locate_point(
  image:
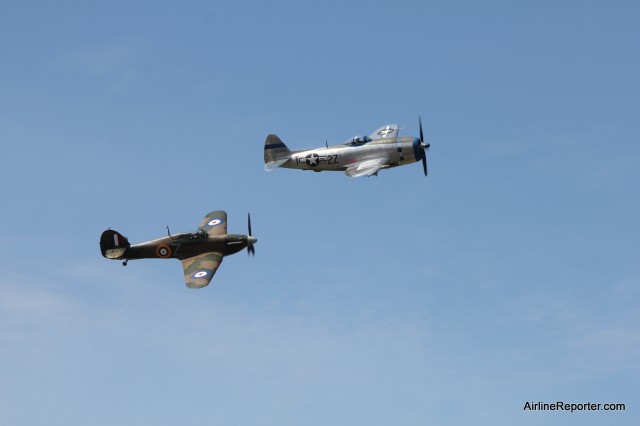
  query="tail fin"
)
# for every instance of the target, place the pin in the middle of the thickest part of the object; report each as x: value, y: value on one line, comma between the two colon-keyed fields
x: 113, y: 244
x: 276, y: 152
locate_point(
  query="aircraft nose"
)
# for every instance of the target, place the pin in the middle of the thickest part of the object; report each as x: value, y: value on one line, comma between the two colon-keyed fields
x: 252, y: 240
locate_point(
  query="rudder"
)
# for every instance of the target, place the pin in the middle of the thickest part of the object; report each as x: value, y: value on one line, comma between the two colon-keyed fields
x: 113, y: 244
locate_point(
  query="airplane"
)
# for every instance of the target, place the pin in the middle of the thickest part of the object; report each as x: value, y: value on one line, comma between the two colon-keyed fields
x: 200, y: 252
x: 358, y: 156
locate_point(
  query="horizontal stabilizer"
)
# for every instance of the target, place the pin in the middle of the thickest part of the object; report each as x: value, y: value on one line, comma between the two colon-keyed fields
x: 272, y: 165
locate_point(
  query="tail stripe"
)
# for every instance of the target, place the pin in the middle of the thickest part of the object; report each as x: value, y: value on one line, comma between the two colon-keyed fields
x: 275, y: 146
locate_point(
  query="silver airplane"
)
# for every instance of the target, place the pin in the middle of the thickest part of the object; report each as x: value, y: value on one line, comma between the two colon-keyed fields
x: 358, y: 156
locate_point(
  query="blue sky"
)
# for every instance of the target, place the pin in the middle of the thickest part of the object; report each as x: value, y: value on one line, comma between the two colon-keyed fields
x: 509, y: 275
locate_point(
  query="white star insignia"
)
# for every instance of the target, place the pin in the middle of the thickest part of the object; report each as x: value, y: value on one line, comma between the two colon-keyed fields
x: 385, y: 131
x: 313, y: 160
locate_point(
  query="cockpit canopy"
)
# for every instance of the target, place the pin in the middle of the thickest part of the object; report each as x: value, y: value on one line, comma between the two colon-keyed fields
x: 190, y: 236
x: 358, y: 140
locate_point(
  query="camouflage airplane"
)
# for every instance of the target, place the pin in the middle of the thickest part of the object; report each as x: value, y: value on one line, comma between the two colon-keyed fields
x: 200, y: 252
x: 358, y: 156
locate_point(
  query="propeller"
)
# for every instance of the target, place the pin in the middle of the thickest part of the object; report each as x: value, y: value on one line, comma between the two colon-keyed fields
x: 250, y: 240
x: 423, y: 148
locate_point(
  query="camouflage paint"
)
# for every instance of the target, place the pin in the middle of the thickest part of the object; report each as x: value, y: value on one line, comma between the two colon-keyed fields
x: 201, y: 252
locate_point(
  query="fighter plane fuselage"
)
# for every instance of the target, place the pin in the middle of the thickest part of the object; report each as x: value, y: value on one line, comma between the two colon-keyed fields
x: 182, y: 246
x: 398, y: 151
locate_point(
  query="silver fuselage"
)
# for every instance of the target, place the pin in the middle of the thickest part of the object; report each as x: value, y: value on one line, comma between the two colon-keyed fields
x: 398, y: 151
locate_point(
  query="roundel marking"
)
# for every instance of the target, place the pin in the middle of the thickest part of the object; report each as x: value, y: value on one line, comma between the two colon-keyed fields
x: 215, y: 222
x: 163, y: 251
x: 200, y: 274
x: 312, y: 159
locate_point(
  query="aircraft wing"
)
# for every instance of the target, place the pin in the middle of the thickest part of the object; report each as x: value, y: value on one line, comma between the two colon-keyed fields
x: 215, y: 223
x: 198, y: 270
x: 367, y: 167
x: 388, y: 131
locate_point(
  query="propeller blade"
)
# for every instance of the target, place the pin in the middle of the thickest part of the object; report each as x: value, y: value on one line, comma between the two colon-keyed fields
x: 424, y: 161
x: 250, y: 249
x: 423, y: 147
